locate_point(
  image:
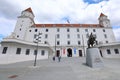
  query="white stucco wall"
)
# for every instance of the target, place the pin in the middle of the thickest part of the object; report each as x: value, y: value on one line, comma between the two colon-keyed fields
x: 11, y: 56
x: 111, y: 48
x: 52, y: 32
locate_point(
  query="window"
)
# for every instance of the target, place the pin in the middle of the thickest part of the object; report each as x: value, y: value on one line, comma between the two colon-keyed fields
x: 46, y: 30
x: 17, y: 36
x: 58, y: 43
x: 116, y: 51
x: 95, y: 35
x: 35, y: 36
x: 77, y: 30
x: 58, y: 30
x: 68, y: 30
x: 78, y: 42
x: 87, y: 35
x: 18, y: 51
x: 35, y: 30
x: 21, y: 25
x: 106, y: 41
x: 94, y: 30
x: 108, y: 51
x: 68, y: 42
x: 68, y: 36
x: 20, y: 29
x: 29, y: 30
x: 103, y: 30
x: 27, y: 51
x: 46, y: 36
x: 42, y: 52
x: 45, y: 42
x: 58, y: 36
x: 86, y: 30
x: 78, y: 35
x: 105, y: 35
x: 4, y: 50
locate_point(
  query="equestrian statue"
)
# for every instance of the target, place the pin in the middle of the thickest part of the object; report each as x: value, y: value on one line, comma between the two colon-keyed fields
x: 91, y: 41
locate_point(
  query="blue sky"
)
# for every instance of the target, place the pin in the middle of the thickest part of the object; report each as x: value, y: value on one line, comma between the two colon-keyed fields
x: 59, y: 11
x: 94, y: 1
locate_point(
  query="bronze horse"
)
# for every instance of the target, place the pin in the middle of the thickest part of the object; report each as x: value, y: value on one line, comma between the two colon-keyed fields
x: 91, y: 41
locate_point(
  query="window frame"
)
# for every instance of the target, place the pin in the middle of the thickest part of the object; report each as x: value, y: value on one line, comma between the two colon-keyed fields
x: 46, y: 36
x: 103, y: 30
x: 79, y: 43
x: 58, y: 35
x: 27, y: 51
x: 18, y: 51
x: 86, y: 30
x: 4, y: 50
x: 68, y: 42
x: 36, y: 30
x: 58, y: 30
x: 105, y: 35
x: 78, y: 36
x: 68, y: 30
x: 116, y: 51
x: 94, y: 30
x: 42, y: 52
x: 58, y: 42
x: 68, y: 36
x: 46, y: 30
x: 108, y: 51
x: 78, y: 30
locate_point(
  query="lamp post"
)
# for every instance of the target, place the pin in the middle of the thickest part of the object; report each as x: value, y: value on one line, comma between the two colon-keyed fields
x: 36, y: 51
x: 83, y: 44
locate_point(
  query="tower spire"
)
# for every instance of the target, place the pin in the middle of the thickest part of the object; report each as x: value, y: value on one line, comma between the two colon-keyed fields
x: 29, y: 10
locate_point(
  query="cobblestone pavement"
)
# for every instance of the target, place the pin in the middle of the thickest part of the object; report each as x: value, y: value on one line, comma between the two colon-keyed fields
x: 67, y: 69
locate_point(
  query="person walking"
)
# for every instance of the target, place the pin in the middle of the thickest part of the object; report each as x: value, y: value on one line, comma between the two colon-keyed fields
x: 53, y: 58
x: 59, y: 58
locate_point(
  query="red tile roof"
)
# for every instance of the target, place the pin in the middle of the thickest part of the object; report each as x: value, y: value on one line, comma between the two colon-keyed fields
x: 29, y: 10
x: 67, y: 25
x: 102, y: 15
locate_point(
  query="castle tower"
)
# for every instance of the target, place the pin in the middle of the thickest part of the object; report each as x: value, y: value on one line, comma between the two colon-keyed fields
x: 25, y: 21
x: 104, y: 21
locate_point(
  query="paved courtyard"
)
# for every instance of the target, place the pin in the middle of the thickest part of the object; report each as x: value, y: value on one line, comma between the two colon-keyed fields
x: 67, y: 69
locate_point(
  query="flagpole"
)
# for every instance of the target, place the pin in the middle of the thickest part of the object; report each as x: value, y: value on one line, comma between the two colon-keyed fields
x: 55, y: 45
x: 68, y: 21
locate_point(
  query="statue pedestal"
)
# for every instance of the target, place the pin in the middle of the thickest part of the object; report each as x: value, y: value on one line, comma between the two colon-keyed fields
x: 93, y: 58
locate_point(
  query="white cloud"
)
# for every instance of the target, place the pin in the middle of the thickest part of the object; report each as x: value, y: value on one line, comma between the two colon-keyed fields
x: 54, y: 11
x: 6, y: 26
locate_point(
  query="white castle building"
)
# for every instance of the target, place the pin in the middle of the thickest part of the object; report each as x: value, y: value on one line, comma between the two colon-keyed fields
x: 66, y: 40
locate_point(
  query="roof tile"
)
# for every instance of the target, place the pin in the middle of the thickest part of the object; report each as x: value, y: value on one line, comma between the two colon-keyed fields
x: 67, y: 25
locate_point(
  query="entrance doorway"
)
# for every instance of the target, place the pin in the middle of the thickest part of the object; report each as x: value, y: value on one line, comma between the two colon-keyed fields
x: 80, y: 53
x: 69, y: 52
x: 57, y: 53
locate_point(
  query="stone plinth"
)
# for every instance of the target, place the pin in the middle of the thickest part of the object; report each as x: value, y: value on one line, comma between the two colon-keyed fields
x: 93, y: 58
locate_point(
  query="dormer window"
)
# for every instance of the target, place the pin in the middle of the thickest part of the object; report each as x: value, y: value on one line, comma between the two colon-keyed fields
x: 46, y: 30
